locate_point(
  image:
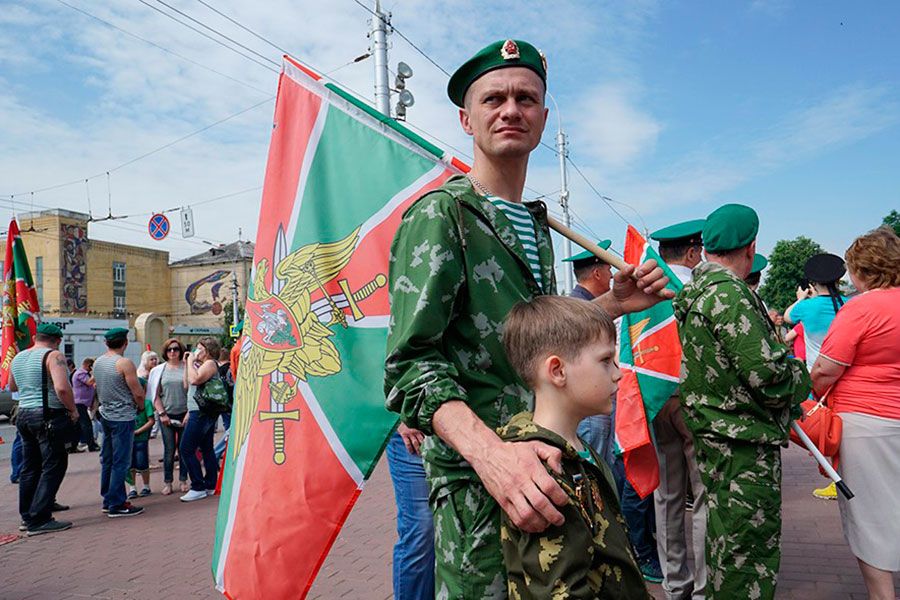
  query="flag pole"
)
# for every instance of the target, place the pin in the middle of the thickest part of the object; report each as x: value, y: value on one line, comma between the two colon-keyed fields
x: 823, y: 462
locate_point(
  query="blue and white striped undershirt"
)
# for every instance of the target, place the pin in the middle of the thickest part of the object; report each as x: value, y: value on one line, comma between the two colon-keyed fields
x: 523, y: 224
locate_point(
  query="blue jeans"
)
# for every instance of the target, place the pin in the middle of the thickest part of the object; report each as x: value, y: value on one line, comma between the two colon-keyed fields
x: 597, y: 432
x: 198, y: 434
x: 44, y: 464
x: 140, y: 455
x: 639, y: 515
x: 115, y: 460
x: 15, y: 459
x: 171, y: 440
x: 413, y: 571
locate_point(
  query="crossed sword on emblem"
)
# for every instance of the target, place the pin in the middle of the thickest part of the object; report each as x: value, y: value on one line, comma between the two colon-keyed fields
x: 280, y: 391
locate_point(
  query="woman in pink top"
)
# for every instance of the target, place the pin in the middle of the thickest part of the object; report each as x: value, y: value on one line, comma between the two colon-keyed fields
x: 860, y: 364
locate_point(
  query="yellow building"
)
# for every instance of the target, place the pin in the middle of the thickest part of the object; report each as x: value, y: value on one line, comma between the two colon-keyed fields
x: 79, y: 277
x: 88, y: 284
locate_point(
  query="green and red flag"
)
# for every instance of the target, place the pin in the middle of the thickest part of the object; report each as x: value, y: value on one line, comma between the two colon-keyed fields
x: 309, y: 421
x: 650, y: 358
x: 21, y: 312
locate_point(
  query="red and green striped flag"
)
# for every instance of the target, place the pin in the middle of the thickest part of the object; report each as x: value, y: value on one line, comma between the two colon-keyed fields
x: 20, y: 302
x: 309, y: 421
x: 650, y: 357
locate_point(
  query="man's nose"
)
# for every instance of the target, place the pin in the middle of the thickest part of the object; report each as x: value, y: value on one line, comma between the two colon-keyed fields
x: 510, y: 109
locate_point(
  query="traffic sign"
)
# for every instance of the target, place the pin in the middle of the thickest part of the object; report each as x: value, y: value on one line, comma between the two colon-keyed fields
x: 235, y: 330
x: 159, y: 226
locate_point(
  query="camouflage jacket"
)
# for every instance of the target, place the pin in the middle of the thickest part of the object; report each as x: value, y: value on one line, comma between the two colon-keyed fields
x: 456, y: 269
x: 739, y: 382
x: 588, y: 556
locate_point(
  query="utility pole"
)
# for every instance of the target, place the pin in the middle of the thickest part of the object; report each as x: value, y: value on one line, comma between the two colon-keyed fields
x: 563, y: 152
x: 381, y: 25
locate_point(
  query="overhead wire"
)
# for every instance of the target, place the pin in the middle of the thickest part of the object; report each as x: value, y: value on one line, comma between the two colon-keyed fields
x: 164, y: 49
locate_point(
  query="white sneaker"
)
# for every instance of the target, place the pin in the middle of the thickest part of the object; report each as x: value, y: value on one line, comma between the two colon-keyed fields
x: 82, y: 447
x: 194, y: 495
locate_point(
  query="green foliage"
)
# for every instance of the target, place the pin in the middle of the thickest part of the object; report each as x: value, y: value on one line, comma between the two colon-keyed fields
x: 893, y: 220
x: 226, y: 340
x: 786, y: 270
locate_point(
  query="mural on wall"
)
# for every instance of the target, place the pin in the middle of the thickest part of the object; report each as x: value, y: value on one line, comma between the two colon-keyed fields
x: 201, y: 301
x: 74, y: 270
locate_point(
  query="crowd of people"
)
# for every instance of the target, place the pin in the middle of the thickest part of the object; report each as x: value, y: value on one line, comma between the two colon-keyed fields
x: 62, y: 410
x: 503, y: 469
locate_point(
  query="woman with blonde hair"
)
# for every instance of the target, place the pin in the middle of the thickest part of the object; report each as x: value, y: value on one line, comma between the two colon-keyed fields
x: 859, y: 366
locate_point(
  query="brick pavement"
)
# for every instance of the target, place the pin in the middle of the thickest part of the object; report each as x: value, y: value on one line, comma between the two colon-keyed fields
x: 165, y: 553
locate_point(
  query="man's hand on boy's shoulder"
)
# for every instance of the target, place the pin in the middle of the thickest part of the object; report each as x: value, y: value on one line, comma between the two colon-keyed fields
x: 514, y: 474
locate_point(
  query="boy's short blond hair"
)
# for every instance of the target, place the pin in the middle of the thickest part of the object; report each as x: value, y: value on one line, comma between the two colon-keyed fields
x: 549, y: 325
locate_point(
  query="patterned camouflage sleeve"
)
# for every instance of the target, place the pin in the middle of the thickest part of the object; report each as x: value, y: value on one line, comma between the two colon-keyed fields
x: 425, y: 277
x: 775, y: 380
x: 552, y: 564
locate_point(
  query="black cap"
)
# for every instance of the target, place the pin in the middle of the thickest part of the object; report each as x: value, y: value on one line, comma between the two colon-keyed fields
x: 824, y: 268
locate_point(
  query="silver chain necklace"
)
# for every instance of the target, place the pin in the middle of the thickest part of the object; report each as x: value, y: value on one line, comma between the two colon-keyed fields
x: 481, y: 187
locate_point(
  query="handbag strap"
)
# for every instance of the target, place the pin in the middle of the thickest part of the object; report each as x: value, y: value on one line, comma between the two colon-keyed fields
x: 44, y: 386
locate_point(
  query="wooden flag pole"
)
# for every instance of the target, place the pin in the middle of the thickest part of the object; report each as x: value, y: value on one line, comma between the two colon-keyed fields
x: 592, y: 247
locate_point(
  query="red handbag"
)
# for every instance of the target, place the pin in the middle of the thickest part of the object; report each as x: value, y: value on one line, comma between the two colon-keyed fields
x: 823, y: 426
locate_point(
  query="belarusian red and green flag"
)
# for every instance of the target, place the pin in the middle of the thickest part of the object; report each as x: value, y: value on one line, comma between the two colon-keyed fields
x: 20, y: 302
x: 309, y: 420
x: 650, y: 358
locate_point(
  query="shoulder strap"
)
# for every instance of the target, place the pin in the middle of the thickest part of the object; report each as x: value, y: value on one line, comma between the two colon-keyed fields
x: 45, y: 374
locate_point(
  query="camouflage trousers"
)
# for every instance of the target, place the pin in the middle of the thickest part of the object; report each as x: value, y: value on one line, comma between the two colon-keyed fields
x: 743, y: 532
x: 468, y: 554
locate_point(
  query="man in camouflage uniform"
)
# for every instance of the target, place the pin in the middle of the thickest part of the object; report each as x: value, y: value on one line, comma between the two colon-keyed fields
x: 458, y: 265
x: 738, y: 397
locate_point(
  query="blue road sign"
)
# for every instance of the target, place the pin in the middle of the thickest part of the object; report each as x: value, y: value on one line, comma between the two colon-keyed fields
x: 159, y: 226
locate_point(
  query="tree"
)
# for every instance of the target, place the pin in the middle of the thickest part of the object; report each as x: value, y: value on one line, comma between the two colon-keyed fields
x: 893, y: 220
x: 227, y: 312
x: 786, y: 270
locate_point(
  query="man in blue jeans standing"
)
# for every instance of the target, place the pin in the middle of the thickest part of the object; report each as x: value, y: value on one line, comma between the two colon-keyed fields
x: 413, y: 571
x: 121, y: 396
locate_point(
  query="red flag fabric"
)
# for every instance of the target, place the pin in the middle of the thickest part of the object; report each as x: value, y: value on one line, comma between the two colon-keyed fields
x: 21, y: 312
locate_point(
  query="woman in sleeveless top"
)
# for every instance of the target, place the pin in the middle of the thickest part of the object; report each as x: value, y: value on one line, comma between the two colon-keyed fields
x: 170, y: 401
x: 200, y: 428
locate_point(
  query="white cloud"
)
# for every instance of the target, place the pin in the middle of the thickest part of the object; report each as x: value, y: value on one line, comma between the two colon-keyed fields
x: 607, y: 125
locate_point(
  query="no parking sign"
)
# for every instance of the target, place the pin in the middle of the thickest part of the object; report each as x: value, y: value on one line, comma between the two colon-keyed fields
x: 159, y: 226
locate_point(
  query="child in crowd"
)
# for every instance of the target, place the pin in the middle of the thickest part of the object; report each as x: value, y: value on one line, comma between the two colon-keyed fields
x: 140, y: 451
x: 565, y: 351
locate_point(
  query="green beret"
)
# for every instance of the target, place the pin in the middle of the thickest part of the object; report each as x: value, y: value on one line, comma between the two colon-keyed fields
x: 587, y: 256
x: 116, y: 333
x: 50, y: 329
x: 680, y: 233
x: 730, y: 227
x: 499, y: 55
x: 760, y: 262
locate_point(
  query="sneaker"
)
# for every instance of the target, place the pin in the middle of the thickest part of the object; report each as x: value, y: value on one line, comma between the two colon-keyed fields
x: 651, y: 571
x: 57, y: 507
x: 829, y: 492
x: 50, y: 526
x: 126, y: 510
x: 194, y: 495
x: 23, y: 526
x: 145, y: 492
x: 132, y: 494
x: 82, y: 447
x: 105, y: 509
x: 210, y: 492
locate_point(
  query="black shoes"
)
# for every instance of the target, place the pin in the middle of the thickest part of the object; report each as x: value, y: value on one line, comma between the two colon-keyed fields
x: 51, y: 526
x: 57, y: 507
x: 126, y: 510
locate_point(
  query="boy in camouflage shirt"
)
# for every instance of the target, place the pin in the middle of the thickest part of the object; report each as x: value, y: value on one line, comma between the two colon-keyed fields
x: 564, y: 349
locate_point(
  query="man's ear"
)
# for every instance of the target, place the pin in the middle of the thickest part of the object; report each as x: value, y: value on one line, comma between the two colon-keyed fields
x: 751, y: 250
x: 464, y: 121
x: 555, y: 370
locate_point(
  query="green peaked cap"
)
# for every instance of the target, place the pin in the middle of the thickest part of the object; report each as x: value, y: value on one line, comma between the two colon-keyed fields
x: 116, y: 333
x: 604, y: 244
x: 760, y: 262
x: 730, y: 227
x: 684, y: 230
x: 50, y: 329
x: 499, y: 55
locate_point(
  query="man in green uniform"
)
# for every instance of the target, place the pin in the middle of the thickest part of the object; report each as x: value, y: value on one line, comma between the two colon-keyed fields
x: 462, y: 257
x: 738, y: 396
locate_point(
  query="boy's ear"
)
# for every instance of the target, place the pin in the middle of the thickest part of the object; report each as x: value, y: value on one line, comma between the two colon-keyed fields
x: 555, y: 370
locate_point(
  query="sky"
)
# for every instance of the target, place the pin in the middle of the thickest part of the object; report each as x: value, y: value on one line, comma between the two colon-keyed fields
x: 671, y: 108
